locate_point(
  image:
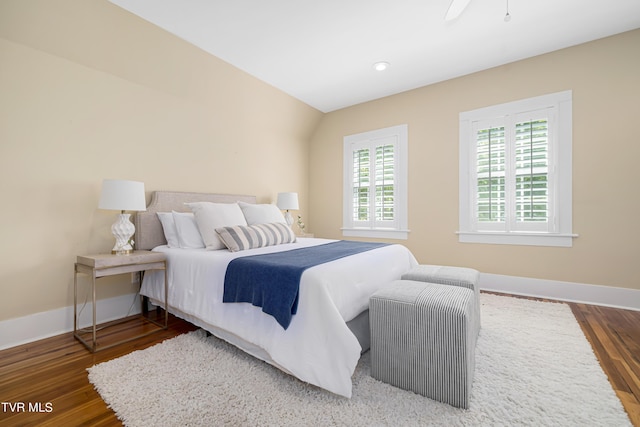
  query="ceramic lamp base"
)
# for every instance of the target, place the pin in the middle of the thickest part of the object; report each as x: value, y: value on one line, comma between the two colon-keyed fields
x: 122, y: 230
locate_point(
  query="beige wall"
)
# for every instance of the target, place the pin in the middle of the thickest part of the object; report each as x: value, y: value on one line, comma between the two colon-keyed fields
x: 89, y: 91
x: 605, y: 78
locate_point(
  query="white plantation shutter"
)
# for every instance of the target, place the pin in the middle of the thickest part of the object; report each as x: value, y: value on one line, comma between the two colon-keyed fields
x: 385, y: 177
x: 512, y: 187
x: 490, y: 202
x: 375, y: 183
x: 361, y: 184
x: 533, y: 183
x: 515, y: 172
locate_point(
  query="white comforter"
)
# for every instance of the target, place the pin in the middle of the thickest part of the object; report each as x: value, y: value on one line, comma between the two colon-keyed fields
x: 317, y: 347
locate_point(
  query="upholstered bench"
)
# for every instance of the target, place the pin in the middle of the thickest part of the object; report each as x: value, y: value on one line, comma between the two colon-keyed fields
x: 423, y: 339
x: 445, y: 275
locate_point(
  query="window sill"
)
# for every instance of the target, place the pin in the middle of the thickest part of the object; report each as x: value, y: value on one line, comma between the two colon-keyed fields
x: 376, y: 233
x: 516, y: 238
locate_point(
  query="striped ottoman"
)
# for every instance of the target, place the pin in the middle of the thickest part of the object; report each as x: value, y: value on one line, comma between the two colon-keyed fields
x: 423, y: 339
x: 453, y: 276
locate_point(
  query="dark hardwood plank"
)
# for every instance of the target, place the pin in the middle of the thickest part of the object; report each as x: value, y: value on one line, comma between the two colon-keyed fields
x: 614, y: 335
x: 53, y: 370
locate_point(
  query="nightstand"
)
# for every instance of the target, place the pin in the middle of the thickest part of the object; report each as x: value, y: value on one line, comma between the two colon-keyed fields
x: 103, y: 265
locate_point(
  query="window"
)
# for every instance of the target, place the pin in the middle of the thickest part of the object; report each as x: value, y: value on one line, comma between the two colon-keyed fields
x: 375, y: 184
x: 515, y: 172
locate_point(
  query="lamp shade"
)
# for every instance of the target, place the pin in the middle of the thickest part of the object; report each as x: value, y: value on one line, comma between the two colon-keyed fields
x: 122, y: 195
x: 287, y: 201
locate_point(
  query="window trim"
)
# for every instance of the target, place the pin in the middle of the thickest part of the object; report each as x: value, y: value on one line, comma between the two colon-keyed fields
x: 400, y: 231
x: 561, y: 151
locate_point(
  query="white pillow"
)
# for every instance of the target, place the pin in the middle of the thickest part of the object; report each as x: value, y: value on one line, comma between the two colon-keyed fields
x: 210, y: 216
x: 188, y: 233
x: 261, y: 214
x: 169, y: 228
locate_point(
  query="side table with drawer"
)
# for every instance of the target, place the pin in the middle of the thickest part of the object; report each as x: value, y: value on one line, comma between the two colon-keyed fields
x: 102, y: 265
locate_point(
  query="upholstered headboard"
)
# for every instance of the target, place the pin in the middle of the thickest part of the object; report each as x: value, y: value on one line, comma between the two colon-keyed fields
x: 149, y: 233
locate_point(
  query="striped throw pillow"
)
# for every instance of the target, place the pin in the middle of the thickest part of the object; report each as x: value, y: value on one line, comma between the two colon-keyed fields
x: 242, y: 237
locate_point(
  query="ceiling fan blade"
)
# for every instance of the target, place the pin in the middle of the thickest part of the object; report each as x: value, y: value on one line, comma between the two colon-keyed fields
x: 455, y: 9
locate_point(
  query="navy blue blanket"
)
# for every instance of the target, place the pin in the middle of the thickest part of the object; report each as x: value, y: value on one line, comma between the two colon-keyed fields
x: 272, y: 281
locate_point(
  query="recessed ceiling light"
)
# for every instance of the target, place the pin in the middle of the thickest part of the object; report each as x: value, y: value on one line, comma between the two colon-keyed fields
x: 380, y: 66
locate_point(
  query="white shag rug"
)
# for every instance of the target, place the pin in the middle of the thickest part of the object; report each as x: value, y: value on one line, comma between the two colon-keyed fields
x: 534, y: 367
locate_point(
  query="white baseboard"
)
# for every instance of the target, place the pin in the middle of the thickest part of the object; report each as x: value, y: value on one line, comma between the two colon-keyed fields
x: 607, y: 296
x: 37, y: 326
x: 22, y: 330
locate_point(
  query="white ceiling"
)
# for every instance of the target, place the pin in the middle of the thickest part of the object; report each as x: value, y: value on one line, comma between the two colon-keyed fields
x: 322, y: 52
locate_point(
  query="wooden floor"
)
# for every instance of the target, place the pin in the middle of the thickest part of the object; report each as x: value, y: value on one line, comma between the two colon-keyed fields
x: 50, y: 375
x: 615, y: 337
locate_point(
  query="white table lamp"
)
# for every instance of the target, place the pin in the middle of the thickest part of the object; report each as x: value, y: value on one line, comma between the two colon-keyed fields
x: 121, y: 195
x: 287, y: 201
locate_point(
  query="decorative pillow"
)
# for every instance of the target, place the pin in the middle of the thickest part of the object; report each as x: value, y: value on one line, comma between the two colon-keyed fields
x: 240, y: 238
x: 169, y: 228
x: 188, y: 233
x: 261, y: 214
x: 210, y: 216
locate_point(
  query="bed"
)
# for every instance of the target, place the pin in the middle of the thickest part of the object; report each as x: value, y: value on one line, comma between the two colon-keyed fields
x: 324, y: 341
